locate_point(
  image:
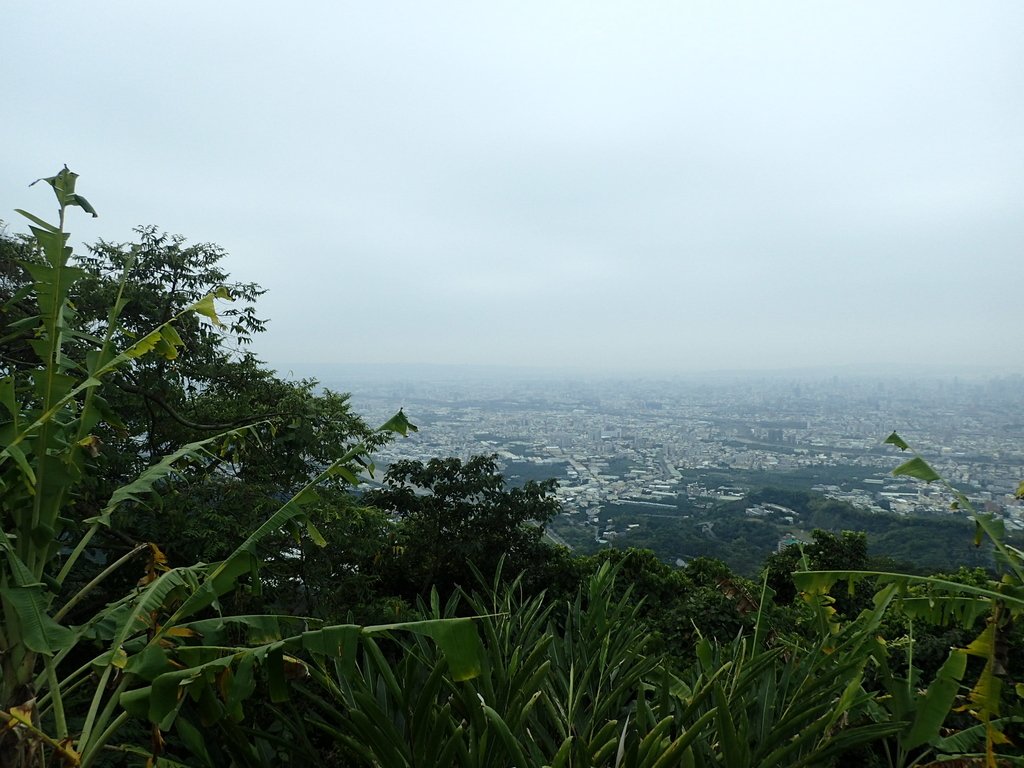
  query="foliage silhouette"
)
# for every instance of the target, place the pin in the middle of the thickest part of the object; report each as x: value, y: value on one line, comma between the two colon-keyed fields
x: 159, y: 653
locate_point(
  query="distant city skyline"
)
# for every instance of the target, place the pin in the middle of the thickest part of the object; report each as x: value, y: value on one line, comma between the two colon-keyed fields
x: 337, y: 374
x: 607, y: 188
x: 771, y: 426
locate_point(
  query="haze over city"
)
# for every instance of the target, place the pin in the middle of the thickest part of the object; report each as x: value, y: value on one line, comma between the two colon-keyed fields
x: 606, y: 187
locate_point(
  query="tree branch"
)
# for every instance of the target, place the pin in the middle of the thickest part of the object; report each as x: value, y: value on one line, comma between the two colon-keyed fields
x: 156, y: 399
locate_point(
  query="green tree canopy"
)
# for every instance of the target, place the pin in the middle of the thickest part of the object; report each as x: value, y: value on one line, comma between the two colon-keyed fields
x: 451, y: 514
x: 209, y: 383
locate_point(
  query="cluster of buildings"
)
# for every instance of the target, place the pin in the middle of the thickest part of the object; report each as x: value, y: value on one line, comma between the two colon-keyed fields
x: 646, y: 442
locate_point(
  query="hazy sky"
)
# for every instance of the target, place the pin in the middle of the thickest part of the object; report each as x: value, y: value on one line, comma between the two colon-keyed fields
x: 628, y: 186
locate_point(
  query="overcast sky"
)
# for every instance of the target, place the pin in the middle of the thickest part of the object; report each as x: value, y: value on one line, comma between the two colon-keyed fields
x: 614, y: 186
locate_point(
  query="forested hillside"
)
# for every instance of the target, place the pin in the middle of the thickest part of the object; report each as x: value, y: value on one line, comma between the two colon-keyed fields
x: 730, y: 532
x: 191, y: 575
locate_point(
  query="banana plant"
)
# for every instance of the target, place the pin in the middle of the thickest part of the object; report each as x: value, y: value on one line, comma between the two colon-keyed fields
x: 946, y: 602
x: 162, y: 653
x: 923, y: 712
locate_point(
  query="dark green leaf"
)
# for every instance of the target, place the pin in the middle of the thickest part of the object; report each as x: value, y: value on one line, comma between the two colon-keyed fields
x: 917, y: 467
x: 399, y: 424
x: 84, y: 204
x: 937, y: 701
x: 896, y: 440
x: 457, y: 638
x: 39, y: 632
x: 35, y: 219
